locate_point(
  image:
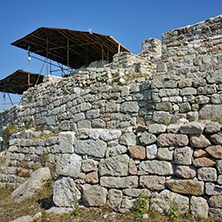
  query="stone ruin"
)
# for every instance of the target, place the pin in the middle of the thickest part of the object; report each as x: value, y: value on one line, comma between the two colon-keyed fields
x: 144, y: 122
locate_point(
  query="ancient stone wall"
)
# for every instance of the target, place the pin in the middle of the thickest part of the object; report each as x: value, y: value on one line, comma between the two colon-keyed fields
x: 116, y: 130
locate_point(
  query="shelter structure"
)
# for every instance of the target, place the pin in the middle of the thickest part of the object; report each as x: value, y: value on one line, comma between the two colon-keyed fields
x: 73, y: 49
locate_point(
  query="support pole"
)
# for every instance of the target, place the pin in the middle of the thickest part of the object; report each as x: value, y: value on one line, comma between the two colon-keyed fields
x: 47, y: 52
x: 68, y: 56
x: 102, y: 57
x: 29, y: 58
x: 10, y: 99
x: 119, y: 49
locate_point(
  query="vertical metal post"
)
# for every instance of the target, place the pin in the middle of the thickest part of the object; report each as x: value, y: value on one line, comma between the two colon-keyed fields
x: 119, y: 49
x: 68, y: 56
x: 29, y: 58
x: 47, y: 55
x: 4, y: 100
x: 102, y: 57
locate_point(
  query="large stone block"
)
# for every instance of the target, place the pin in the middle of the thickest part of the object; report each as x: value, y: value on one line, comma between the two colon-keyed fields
x: 66, y: 142
x: 115, y: 199
x: 215, y: 151
x: 215, y: 201
x: 192, y: 187
x: 214, y: 76
x: 114, y: 166
x: 192, y: 128
x: 216, y: 138
x: 65, y: 192
x: 119, y: 182
x: 203, y: 162
x: 96, y: 148
x: 185, y: 172
x: 199, y: 207
x: 215, y: 213
x: 129, y: 107
x: 147, y: 138
x: 164, y: 201
x: 155, y: 167
x: 94, y: 196
x: 199, y: 141
x: 108, y: 135
x: 213, y: 189
x: 137, y: 152
x: 169, y: 139
x: 211, y: 111
x: 153, y: 182
x: 68, y: 165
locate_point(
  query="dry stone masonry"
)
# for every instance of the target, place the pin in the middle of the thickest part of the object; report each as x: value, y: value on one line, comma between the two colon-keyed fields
x: 144, y: 122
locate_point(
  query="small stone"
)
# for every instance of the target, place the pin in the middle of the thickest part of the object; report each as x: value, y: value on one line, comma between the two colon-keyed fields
x: 165, y: 153
x: 92, y: 178
x: 200, y: 153
x: 215, y: 213
x: 186, y: 186
x: 214, y: 127
x: 185, y: 172
x: 216, y: 138
x: 147, y: 138
x: 183, y: 155
x: 157, y: 128
x: 203, y: 162
x: 207, y: 174
x: 66, y: 142
x: 199, y: 141
x: 137, y: 152
x: 213, y: 189
x: 152, y: 182
x: 219, y: 166
x: 174, y: 128
x: 132, y: 167
x: 169, y: 139
x: 215, y: 151
x: 215, y: 201
x: 151, y: 151
x: 89, y: 165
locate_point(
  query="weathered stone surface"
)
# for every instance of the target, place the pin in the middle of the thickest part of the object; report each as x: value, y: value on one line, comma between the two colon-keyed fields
x: 147, y: 138
x: 207, y: 174
x: 199, y: 207
x: 215, y: 201
x: 211, y: 111
x: 66, y: 142
x: 92, y: 178
x: 155, y: 167
x: 185, y: 172
x: 203, y: 162
x: 26, y: 218
x: 200, y: 153
x: 114, y: 166
x: 162, y: 117
x: 151, y: 151
x: 132, y: 167
x: 186, y: 186
x: 137, y: 152
x: 33, y: 185
x: 215, y: 151
x: 129, y: 107
x: 89, y: 165
x: 192, y: 128
x: 199, y: 141
x: 219, y: 166
x: 133, y: 192
x: 214, y: 76
x: 219, y: 179
x: 108, y: 135
x: 152, y: 182
x: 115, y: 199
x: 116, y: 150
x: 214, y: 127
x: 163, y: 202
x: 183, y: 155
x: 96, y: 148
x: 128, y: 139
x: 92, y: 114
x: 157, y: 128
x: 119, y: 182
x: 165, y: 153
x: 215, y: 213
x: 174, y: 128
x: 213, y: 189
x: 168, y: 139
x: 94, y: 196
x: 68, y: 165
x: 65, y: 192
x: 216, y: 138
x: 127, y: 203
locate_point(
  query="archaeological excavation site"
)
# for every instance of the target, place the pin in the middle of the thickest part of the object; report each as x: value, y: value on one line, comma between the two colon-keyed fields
x: 116, y: 126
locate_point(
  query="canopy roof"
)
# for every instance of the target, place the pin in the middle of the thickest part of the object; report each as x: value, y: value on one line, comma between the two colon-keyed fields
x: 17, y: 82
x: 71, y: 48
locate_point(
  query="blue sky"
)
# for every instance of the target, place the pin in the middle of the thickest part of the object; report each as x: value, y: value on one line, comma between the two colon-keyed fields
x: 128, y: 21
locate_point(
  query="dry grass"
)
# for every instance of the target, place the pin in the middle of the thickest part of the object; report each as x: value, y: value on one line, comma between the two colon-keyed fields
x: 43, y: 201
